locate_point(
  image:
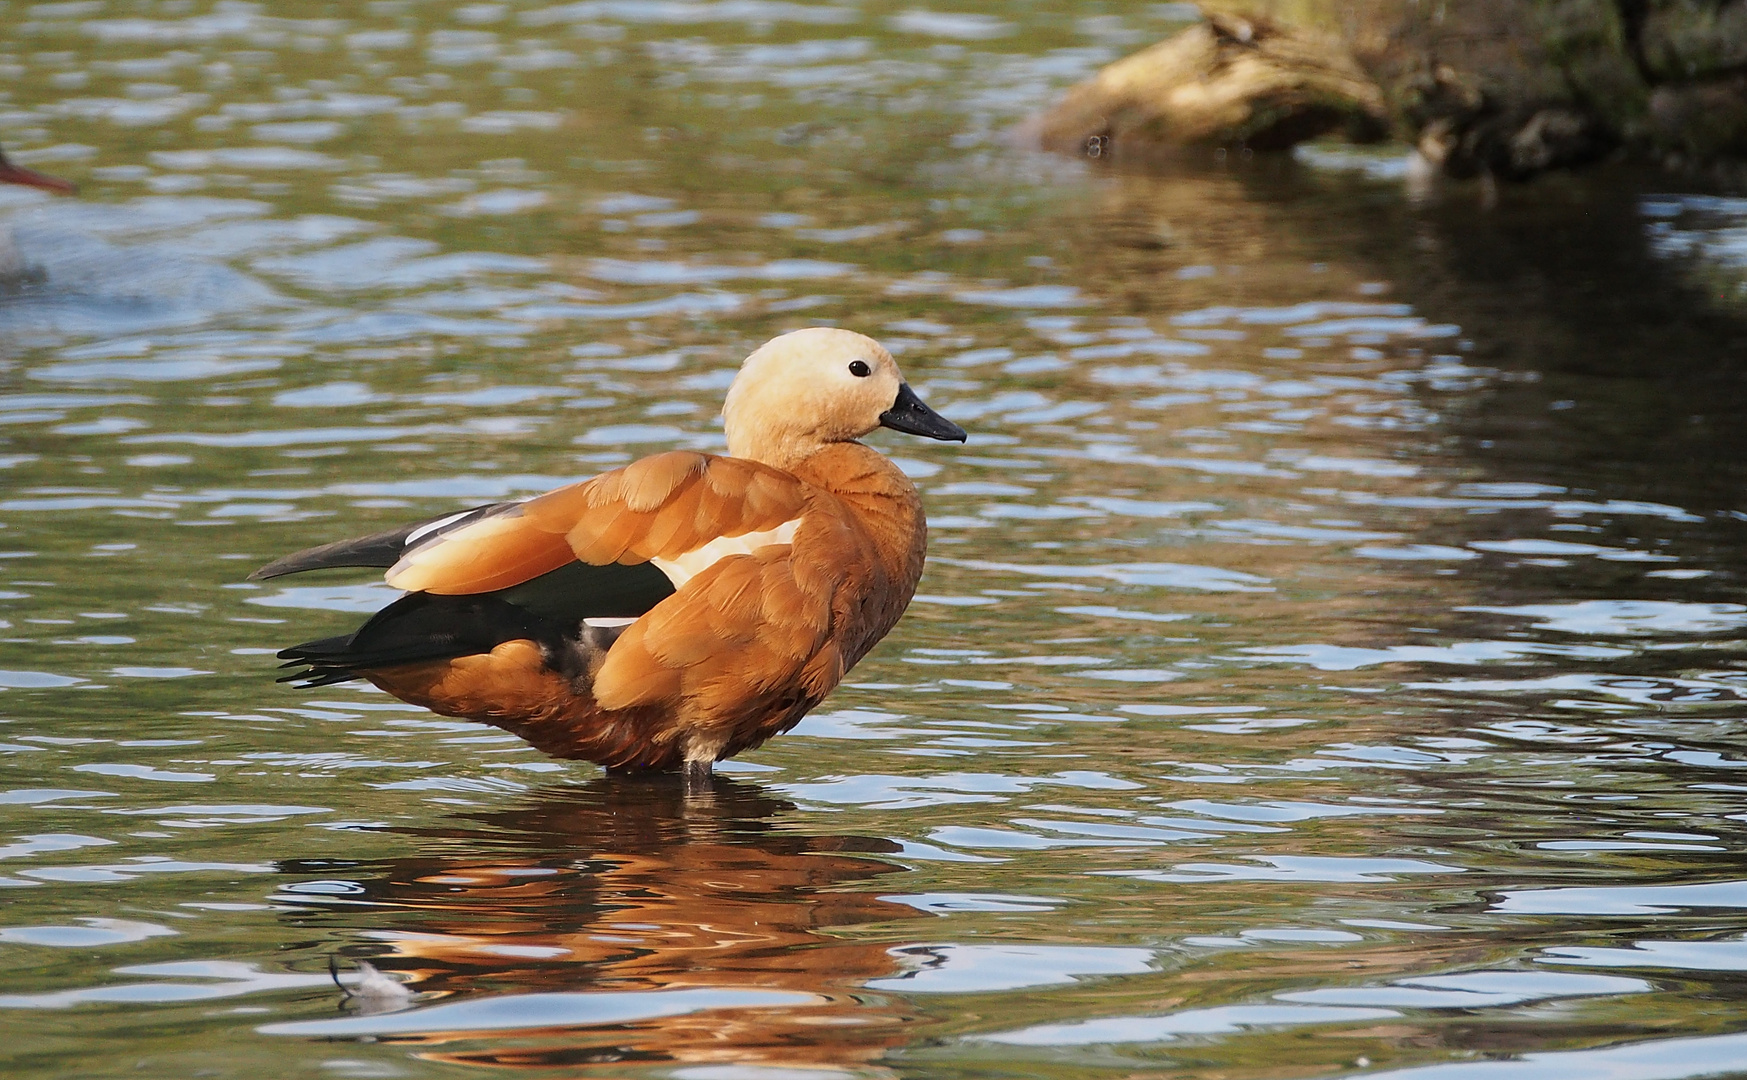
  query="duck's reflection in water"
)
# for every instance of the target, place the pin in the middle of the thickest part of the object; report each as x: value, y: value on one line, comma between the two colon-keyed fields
x: 621, y: 900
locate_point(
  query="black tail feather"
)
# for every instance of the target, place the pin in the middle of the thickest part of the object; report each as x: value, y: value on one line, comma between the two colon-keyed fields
x: 318, y: 676
x: 551, y: 609
x: 416, y: 628
x: 323, y: 662
x: 378, y: 549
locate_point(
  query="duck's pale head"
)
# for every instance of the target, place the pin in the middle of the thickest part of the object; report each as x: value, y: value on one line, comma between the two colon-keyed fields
x: 807, y: 389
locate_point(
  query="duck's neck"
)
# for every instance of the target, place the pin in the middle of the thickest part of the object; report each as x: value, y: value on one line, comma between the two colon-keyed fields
x: 882, y: 498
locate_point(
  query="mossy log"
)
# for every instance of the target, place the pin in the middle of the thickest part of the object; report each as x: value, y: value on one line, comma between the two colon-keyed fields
x: 1508, y: 88
x: 1228, y: 81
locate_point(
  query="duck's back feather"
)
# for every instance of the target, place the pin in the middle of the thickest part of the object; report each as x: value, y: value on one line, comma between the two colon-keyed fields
x: 661, y: 507
x: 611, y: 547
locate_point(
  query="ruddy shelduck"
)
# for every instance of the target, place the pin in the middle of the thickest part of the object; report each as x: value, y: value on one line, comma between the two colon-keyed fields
x: 12, y: 174
x: 673, y: 612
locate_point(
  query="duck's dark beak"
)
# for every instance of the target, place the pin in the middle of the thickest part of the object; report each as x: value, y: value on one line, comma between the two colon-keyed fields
x: 909, y: 415
x: 12, y: 174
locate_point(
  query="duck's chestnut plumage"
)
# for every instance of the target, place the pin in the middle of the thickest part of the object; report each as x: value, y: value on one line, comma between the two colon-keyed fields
x: 673, y: 612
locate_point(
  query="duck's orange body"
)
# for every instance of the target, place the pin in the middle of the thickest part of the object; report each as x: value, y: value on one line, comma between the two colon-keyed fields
x: 737, y: 654
x: 673, y: 612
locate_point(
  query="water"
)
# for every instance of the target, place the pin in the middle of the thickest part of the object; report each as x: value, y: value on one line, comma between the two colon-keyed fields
x: 1329, y: 660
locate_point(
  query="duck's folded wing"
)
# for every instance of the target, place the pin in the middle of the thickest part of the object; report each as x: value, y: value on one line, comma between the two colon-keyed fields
x: 682, y: 511
x: 752, y: 628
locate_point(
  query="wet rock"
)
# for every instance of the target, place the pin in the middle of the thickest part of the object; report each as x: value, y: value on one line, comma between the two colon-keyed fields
x: 1508, y: 88
x: 1704, y: 121
x: 1473, y: 135
x: 1233, y: 81
x: 1514, y: 87
x: 1678, y: 41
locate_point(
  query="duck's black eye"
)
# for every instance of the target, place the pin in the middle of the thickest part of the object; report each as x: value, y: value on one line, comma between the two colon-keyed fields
x: 859, y: 369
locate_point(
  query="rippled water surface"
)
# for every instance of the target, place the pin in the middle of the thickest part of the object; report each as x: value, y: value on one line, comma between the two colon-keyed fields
x: 1330, y: 659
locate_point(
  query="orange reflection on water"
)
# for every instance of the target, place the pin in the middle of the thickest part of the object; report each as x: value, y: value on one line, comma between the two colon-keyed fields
x: 632, y: 885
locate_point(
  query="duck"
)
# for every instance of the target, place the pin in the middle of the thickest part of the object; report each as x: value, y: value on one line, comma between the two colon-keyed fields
x: 674, y: 612
x: 15, y: 269
x: 12, y: 174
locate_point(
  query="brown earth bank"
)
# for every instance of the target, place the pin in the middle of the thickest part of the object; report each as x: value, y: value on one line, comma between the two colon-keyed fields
x: 1506, y: 88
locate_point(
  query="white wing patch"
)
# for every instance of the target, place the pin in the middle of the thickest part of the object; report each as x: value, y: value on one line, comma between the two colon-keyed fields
x: 423, y: 531
x: 683, y: 568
